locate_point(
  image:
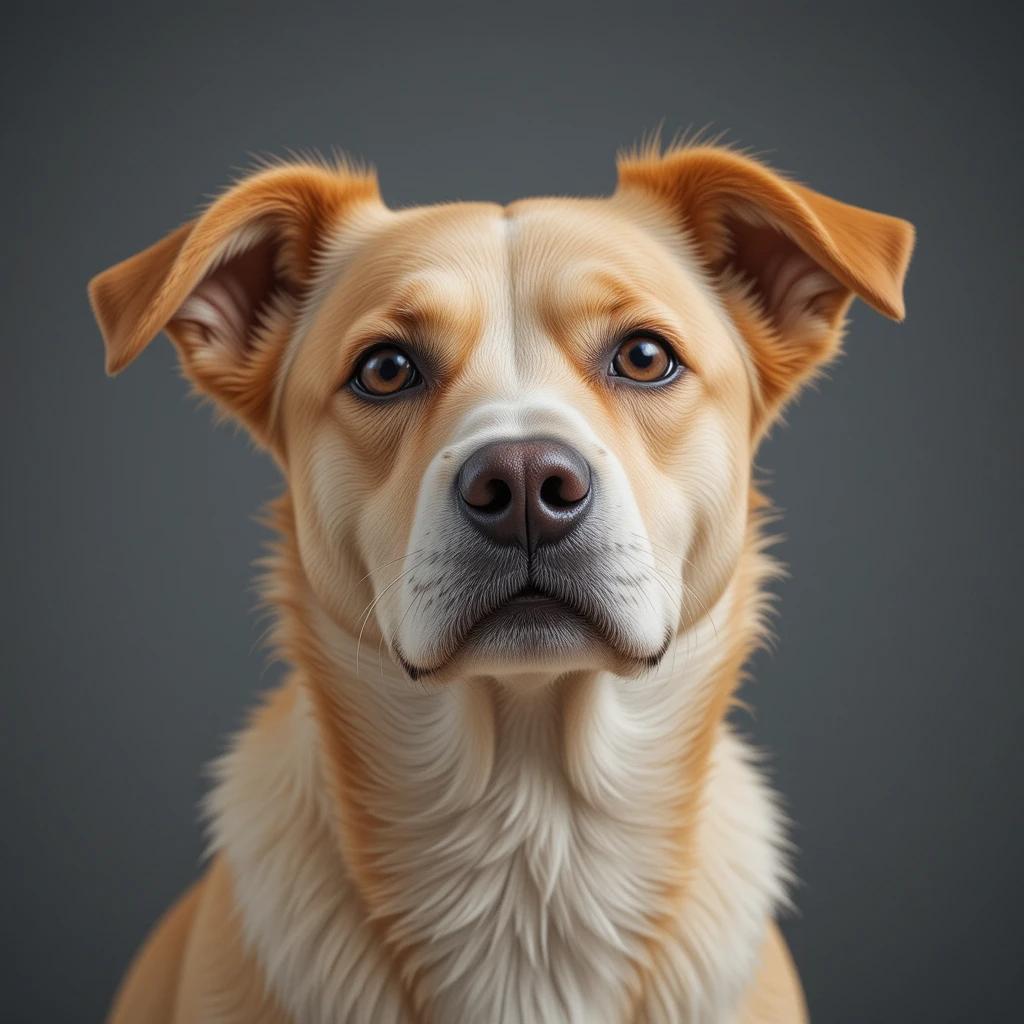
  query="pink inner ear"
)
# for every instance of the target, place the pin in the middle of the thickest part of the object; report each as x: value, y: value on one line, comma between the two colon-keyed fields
x: 788, y: 282
x: 226, y: 306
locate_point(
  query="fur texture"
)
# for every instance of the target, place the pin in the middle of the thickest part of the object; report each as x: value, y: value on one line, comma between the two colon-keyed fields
x: 422, y: 825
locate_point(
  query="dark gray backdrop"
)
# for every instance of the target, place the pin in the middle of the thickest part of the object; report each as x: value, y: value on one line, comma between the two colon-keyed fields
x: 892, y: 707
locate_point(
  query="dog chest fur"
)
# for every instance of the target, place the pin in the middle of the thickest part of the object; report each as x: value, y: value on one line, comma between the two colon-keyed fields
x: 521, y: 853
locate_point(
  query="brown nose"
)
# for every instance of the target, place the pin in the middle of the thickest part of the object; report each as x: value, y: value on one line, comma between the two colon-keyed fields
x: 528, y: 493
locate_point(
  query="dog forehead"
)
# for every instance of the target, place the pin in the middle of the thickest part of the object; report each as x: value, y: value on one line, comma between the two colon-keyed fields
x: 546, y: 278
x: 532, y: 252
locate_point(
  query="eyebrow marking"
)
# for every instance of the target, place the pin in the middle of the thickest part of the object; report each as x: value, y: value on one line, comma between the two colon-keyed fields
x: 586, y: 293
x: 439, y: 300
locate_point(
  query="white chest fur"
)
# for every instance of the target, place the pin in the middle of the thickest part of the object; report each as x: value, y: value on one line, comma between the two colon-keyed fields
x: 524, y: 848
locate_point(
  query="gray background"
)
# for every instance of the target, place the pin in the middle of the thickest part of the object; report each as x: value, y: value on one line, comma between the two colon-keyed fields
x: 892, y: 706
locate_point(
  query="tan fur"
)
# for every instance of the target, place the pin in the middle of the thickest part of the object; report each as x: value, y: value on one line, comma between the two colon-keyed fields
x: 271, y: 296
x: 775, y: 994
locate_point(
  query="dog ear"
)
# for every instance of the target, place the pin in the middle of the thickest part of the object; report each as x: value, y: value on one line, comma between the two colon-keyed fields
x: 227, y: 286
x: 787, y: 260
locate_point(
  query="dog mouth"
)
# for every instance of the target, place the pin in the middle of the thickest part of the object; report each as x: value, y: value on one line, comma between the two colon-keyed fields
x: 531, y: 624
x: 530, y: 609
x: 532, y: 598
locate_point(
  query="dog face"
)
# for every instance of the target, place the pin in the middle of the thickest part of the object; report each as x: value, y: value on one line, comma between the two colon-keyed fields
x: 518, y: 439
x: 520, y: 422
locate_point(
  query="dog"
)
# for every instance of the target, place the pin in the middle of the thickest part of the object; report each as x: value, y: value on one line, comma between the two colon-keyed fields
x: 520, y: 569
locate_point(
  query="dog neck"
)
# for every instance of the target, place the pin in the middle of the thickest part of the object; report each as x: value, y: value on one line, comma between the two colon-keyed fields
x: 535, y: 849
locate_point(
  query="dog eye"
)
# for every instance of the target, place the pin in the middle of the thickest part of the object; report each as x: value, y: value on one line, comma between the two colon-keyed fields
x: 385, y: 371
x: 644, y: 358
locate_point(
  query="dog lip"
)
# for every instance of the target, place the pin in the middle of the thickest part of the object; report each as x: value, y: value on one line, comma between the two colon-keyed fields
x: 531, y: 600
x: 530, y: 595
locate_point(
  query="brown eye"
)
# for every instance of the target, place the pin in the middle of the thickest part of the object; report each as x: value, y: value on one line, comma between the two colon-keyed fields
x: 385, y: 371
x: 645, y: 359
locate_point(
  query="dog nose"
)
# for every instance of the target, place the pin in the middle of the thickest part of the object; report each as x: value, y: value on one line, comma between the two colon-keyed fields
x: 528, y: 492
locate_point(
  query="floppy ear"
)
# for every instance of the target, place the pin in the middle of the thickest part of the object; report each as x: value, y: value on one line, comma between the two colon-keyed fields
x: 227, y: 286
x: 787, y: 260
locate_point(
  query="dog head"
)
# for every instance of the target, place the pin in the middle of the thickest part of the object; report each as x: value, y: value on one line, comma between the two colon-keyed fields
x: 517, y: 439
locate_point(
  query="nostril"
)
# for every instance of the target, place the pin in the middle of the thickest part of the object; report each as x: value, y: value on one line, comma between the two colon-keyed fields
x: 551, y: 493
x: 555, y: 492
x: 498, y: 496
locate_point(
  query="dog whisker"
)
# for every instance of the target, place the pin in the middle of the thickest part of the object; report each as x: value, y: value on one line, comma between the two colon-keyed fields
x: 373, y: 604
x: 384, y: 565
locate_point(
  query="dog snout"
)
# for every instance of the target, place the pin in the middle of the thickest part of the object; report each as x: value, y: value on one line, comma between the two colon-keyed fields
x: 527, y: 493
